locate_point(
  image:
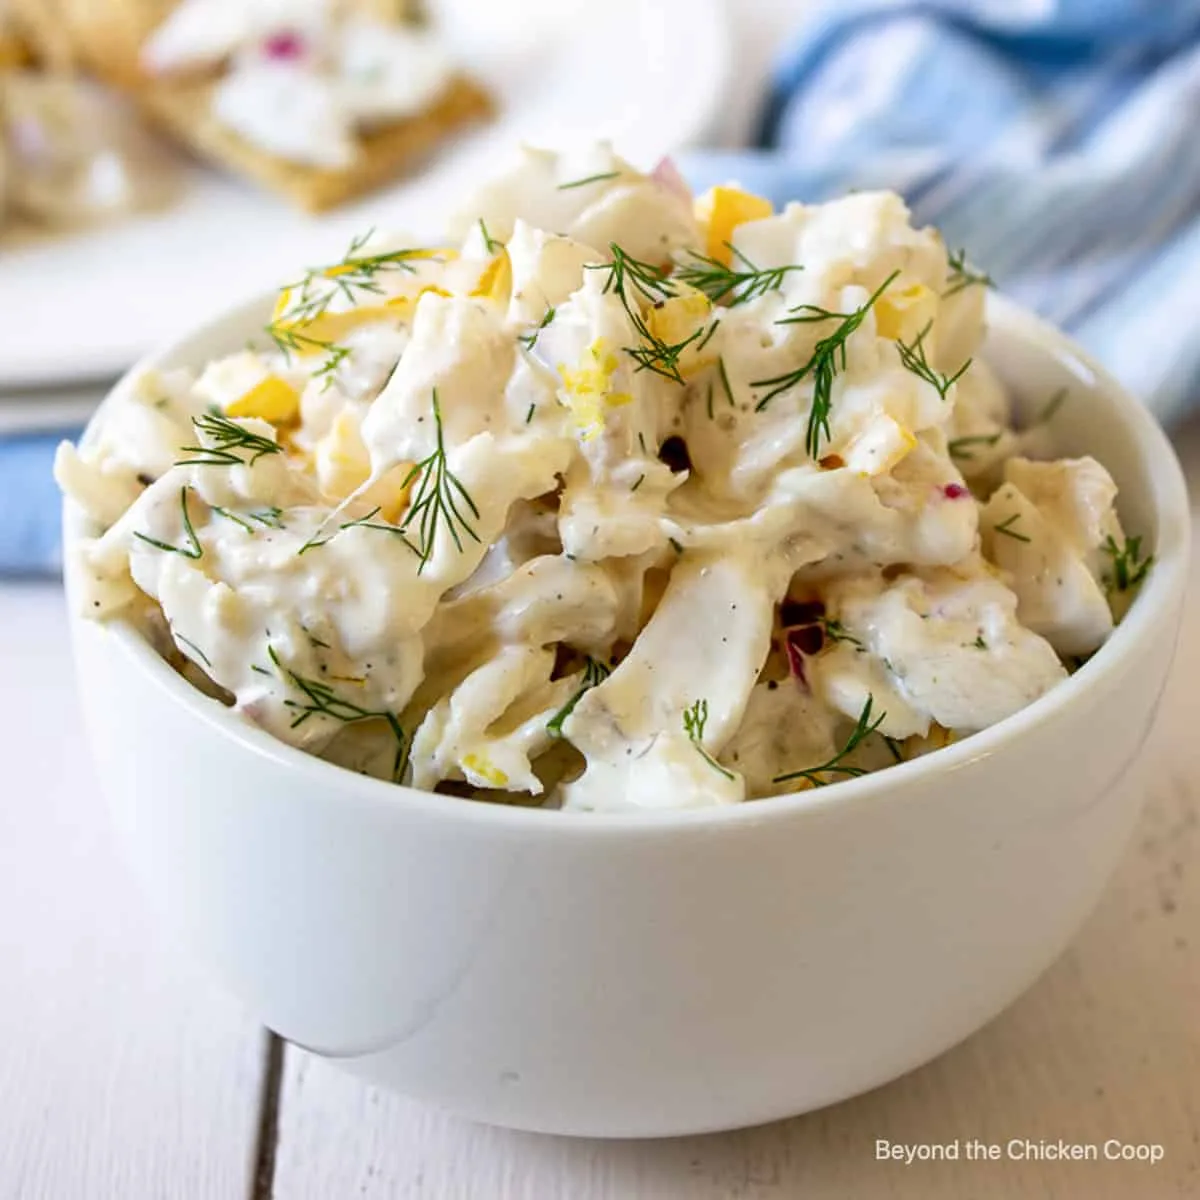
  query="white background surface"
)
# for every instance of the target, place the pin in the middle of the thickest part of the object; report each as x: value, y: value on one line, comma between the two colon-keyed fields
x: 124, y: 1073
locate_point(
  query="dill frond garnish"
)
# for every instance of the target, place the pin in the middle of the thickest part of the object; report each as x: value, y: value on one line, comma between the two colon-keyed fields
x: 489, y: 242
x: 320, y: 699
x: 234, y: 517
x: 578, y: 183
x: 912, y: 355
x: 310, y: 297
x: 193, y: 549
x: 723, y: 376
x: 437, y: 500
x: 1129, y: 568
x: 1006, y: 527
x: 369, y: 522
x: 962, y: 276
x: 332, y: 361
x: 658, y: 356
x: 529, y: 340
x: 731, y: 285
x: 694, y: 720
x: 229, y: 442
x: 594, y: 672
x: 835, y: 631
x: 1051, y: 407
x: 269, y: 518
x: 837, y: 764
x: 962, y: 448
x: 192, y: 647
x: 828, y: 357
x: 629, y: 277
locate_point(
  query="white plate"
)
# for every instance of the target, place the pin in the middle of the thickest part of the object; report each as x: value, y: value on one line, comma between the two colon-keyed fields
x: 648, y: 76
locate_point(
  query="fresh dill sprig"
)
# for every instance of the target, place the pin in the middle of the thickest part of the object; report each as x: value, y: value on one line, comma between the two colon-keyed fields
x: 333, y: 359
x: 193, y: 549
x: 723, y: 376
x: 658, y: 356
x: 962, y: 276
x: 437, y: 498
x: 578, y: 183
x: 269, y: 518
x: 1051, y: 407
x: 694, y: 721
x: 594, y: 672
x: 369, y: 522
x: 730, y: 285
x: 837, y: 764
x: 529, y: 340
x: 828, y: 356
x: 961, y: 448
x: 1129, y: 568
x: 491, y: 244
x: 894, y: 747
x: 234, y: 517
x: 1006, y: 527
x: 835, y: 631
x: 912, y: 355
x: 229, y: 442
x: 627, y: 278
x: 320, y: 699
x: 626, y: 273
x: 192, y: 647
x: 311, y: 296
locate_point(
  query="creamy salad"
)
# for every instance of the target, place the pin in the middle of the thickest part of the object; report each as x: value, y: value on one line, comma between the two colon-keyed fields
x: 615, y: 499
x: 302, y: 79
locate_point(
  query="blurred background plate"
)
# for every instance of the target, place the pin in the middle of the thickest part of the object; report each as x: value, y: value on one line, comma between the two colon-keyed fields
x: 649, y: 76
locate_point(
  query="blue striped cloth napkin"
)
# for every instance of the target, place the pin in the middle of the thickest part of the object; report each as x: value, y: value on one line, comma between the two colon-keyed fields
x: 1053, y: 139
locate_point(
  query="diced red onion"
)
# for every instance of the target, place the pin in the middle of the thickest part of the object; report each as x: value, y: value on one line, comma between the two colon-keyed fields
x: 795, y: 654
x: 284, y: 46
x: 667, y: 173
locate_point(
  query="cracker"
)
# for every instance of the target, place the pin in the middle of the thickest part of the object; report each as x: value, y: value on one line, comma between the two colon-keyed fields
x: 106, y: 36
x: 183, y: 109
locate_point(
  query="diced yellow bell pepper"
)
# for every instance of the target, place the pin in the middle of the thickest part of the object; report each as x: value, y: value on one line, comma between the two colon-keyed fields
x: 721, y: 210
x: 271, y: 399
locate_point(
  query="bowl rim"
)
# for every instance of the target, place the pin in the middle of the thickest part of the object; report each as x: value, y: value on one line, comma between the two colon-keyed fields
x: 1157, y: 598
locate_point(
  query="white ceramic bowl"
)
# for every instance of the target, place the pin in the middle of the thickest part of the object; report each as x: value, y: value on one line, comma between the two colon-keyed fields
x: 665, y: 973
